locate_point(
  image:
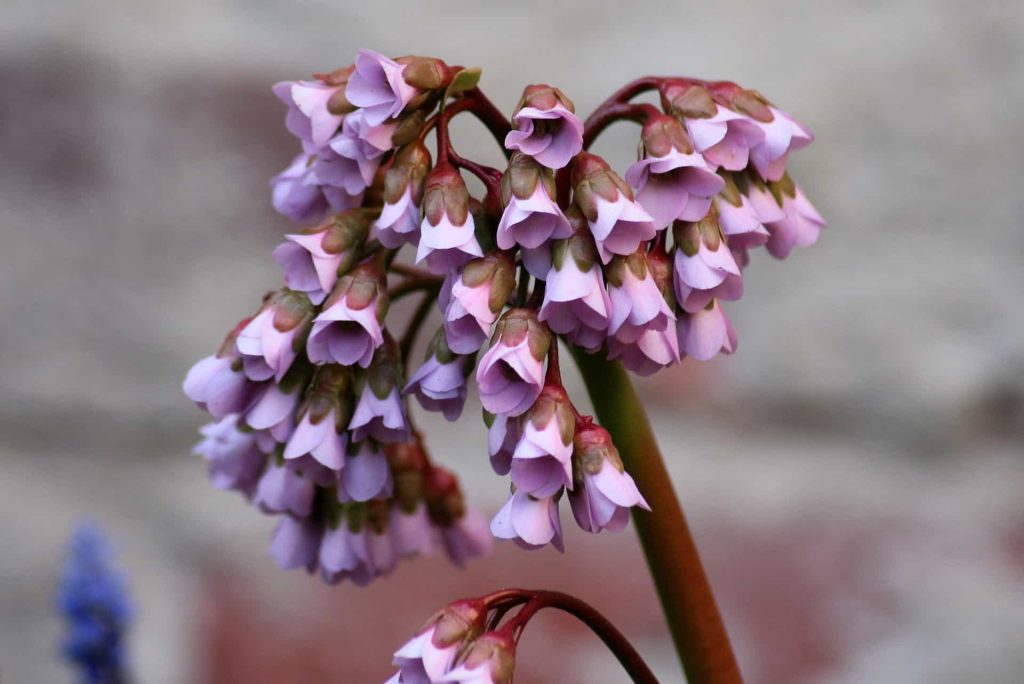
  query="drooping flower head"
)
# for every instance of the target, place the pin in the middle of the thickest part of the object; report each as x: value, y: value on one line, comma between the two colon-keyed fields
x: 705, y: 333
x: 801, y: 223
x: 270, y: 342
x: 490, y: 659
x: 531, y: 522
x: 439, y: 383
x: 618, y: 223
x: 781, y: 133
x: 348, y: 329
x: 315, y: 108
x: 542, y: 459
x: 546, y: 127
x: 429, y: 655
x: 377, y: 86
x: 723, y: 136
x: 447, y: 233
x: 323, y: 418
x: 643, y: 348
x: 531, y: 217
x: 478, y: 294
x: 511, y: 373
x: 672, y: 181
x: 217, y: 383
x: 234, y: 461
x: 604, y: 492
x: 380, y: 412
x: 302, y: 196
x: 704, y: 266
x: 399, y: 221
x: 313, y: 259
x: 576, y: 303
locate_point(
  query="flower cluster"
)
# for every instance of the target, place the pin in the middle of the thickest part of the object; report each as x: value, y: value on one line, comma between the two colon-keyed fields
x: 310, y: 395
x: 93, y: 600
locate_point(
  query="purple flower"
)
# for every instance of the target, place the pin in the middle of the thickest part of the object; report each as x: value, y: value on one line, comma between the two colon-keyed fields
x: 360, y: 548
x: 412, y: 533
x: 649, y: 353
x: 530, y: 521
x: 380, y: 413
x: 511, y: 373
x: 440, y: 382
x: 271, y: 341
x: 723, y: 136
x: 477, y: 296
x: 546, y: 127
x: 430, y: 654
x: 503, y: 434
x: 447, y: 238
x: 311, y: 260
x: 366, y: 474
x: 801, y: 224
x: 542, y: 460
x: 377, y: 86
x: 531, y: 217
x: 490, y: 659
x: 233, y: 460
x: 299, y: 194
x: 780, y: 133
x: 296, y: 543
x: 348, y: 330
x: 705, y: 333
x: 310, y: 118
x: 671, y: 180
x: 619, y: 225
x: 217, y: 384
x: 604, y: 491
x: 637, y: 303
x: 704, y: 267
x: 740, y: 222
x: 468, y: 536
x: 399, y: 221
x: 272, y: 413
x: 352, y: 157
x: 576, y: 303
x: 283, y: 490
x: 323, y: 418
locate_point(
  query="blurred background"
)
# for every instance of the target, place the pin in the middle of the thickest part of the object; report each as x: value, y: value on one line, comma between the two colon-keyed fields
x: 854, y: 475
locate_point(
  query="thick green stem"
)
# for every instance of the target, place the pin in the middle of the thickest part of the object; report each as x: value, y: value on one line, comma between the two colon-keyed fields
x: 693, y: 618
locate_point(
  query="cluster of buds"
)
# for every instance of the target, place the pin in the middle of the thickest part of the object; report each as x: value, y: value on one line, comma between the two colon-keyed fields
x: 310, y: 396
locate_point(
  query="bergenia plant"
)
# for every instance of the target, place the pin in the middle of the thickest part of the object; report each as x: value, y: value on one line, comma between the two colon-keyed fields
x: 630, y: 269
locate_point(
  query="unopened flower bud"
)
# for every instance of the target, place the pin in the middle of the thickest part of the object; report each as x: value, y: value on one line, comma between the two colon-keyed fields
x: 431, y: 653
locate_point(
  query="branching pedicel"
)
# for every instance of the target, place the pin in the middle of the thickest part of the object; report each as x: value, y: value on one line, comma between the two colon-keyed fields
x: 309, y: 395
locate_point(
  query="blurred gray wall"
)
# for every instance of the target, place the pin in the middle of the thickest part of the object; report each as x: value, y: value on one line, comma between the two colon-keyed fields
x: 137, y: 139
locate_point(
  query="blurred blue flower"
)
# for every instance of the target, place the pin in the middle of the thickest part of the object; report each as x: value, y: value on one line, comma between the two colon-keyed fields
x: 93, y: 600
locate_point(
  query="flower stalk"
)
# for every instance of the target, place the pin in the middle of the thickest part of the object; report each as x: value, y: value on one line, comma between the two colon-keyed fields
x: 684, y: 591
